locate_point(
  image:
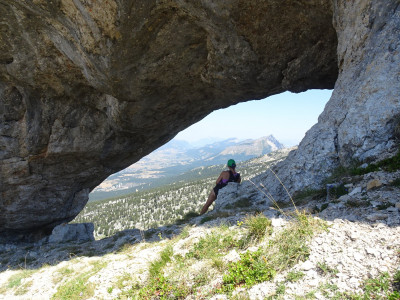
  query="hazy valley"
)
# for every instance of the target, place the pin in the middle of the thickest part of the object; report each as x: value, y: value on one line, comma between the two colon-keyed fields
x: 169, y: 163
x: 167, y: 199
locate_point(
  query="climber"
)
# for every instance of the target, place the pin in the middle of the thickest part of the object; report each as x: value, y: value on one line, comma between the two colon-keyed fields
x: 223, y: 179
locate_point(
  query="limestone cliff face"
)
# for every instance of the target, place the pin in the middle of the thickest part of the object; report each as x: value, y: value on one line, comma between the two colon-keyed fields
x: 359, y: 120
x: 88, y: 87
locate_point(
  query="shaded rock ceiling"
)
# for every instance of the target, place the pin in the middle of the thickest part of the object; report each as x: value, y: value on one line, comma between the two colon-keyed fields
x: 89, y: 87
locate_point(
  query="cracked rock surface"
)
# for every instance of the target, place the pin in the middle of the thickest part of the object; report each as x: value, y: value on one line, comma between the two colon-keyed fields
x: 89, y: 87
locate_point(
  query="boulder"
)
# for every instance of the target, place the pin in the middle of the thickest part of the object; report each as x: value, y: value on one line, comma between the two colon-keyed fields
x: 355, y: 191
x: 376, y: 217
x: 374, y: 183
x: 228, y: 197
x: 64, y: 233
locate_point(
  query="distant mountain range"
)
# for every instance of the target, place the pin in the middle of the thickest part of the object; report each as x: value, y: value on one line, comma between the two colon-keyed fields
x: 177, y: 157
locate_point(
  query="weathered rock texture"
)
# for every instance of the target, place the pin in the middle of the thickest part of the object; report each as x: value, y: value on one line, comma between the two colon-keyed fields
x: 89, y: 87
x: 360, y: 120
x: 72, y: 233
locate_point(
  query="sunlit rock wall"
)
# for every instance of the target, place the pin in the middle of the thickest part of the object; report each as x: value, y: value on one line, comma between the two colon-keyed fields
x: 359, y: 120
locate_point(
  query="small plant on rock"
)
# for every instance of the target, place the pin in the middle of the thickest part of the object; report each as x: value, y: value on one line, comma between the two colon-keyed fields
x: 211, y: 246
x: 79, y: 287
x: 375, y: 288
x: 294, y: 276
x: 15, y: 280
x: 258, y: 226
x: 324, y: 269
x: 251, y: 269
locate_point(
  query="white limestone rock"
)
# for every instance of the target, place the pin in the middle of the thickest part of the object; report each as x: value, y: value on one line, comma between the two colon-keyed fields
x: 72, y: 233
x: 355, y: 191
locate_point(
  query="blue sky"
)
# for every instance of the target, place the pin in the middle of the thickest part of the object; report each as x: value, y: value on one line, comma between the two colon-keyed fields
x: 286, y: 116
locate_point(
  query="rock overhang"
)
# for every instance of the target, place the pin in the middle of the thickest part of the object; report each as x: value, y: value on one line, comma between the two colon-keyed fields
x: 89, y: 87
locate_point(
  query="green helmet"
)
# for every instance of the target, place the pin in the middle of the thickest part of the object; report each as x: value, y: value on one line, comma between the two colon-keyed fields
x: 231, y: 163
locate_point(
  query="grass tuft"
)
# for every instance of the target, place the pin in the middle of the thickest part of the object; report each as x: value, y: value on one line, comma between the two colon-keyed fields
x: 165, y: 257
x: 294, y: 276
x: 252, y: 268
x: 282, y: 252
x: 376, y: 288
x: 290, y: 246
x: 79, y: 287
x: 16, y: 279
x: 212, y: 245
x: 258, y: 226
x: 324, y: 269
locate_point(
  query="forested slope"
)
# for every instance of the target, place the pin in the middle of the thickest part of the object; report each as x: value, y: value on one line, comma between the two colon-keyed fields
x: 166, y: 204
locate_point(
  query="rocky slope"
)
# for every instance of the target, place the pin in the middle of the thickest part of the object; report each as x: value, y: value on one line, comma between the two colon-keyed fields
x: 355, y: 252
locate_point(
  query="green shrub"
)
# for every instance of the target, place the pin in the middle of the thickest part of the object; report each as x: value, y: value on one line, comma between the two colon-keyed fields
x: 396, y: 277
x: 294, y: 276
x: 162, y: 288
x: 384, y: 205
x: 341, y: 190
x: 290, y: 245
x: 396, y: 282
x: 280, y: 290
x: 357, y: 203
x: 165, y: 257
x: 251, y: 269
x: 212, y: 245
x: 317, y: 209
x: 258, y: 226
x: 159, y: 286
x: 75, y: 289
x: 391, y: 164
x: 374, y: 287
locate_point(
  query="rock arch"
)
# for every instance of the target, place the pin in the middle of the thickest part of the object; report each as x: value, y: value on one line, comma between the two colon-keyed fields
x: 89, y: 87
